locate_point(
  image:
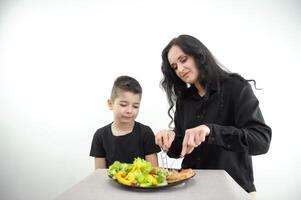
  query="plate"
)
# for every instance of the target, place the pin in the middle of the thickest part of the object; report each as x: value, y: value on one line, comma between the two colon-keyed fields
x: 155, y: 187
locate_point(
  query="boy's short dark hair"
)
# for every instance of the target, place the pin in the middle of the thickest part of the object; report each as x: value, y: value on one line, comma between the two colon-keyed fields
x: 125, y: 84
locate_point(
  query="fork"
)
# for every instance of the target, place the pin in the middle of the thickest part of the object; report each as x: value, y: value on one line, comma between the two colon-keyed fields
x: 164, y: 161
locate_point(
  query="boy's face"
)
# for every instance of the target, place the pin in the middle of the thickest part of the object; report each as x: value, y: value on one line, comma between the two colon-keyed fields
x: 125, y: 106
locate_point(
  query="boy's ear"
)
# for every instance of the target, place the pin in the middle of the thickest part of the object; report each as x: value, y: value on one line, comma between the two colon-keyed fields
x: 110, y: 104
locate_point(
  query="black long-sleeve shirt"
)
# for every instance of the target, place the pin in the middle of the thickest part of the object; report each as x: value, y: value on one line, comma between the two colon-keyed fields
x: 237, y: 130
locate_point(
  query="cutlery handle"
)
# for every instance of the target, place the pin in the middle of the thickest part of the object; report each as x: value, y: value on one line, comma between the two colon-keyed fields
x: 164, y: 161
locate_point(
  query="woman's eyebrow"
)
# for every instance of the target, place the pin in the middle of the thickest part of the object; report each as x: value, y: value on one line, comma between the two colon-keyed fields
x: 179, y: 58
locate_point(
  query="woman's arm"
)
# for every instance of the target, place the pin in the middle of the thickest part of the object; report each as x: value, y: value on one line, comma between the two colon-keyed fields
x: 100, y: 163
x: 178, y: 134
x: 249, y: 132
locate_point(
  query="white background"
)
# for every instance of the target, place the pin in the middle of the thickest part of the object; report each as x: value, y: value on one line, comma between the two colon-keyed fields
x: 58, y: 60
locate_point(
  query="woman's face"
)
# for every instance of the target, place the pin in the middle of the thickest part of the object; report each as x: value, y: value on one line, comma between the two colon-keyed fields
x: 183, y: 64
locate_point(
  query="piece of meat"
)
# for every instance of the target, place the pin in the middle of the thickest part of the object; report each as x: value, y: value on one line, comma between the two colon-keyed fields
x: 175, y: 175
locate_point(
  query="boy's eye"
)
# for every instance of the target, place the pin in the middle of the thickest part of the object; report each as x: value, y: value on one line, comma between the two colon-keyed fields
x: 136, y: 106
x: 123, y: 105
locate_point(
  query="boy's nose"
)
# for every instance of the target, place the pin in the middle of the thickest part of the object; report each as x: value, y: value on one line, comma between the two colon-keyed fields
x: 129, y: 110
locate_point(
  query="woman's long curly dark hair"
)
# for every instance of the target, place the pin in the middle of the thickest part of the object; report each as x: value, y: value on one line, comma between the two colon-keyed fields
x: 211, y: 73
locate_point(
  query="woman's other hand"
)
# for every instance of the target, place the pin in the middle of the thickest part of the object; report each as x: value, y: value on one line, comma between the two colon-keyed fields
x: 164, y: 139
x: 193, y: 138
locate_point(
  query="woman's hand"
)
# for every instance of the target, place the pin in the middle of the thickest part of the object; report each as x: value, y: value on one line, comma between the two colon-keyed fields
x: 193, y: 138
x: 164, y: 139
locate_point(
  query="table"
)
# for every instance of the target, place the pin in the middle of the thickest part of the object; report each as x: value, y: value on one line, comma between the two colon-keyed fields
x: 206, y: 184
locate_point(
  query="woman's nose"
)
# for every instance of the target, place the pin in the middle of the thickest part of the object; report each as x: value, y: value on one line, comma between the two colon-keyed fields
x: 181, y: 68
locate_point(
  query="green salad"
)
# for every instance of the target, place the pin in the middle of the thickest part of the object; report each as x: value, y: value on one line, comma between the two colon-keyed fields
x: 140, y: 173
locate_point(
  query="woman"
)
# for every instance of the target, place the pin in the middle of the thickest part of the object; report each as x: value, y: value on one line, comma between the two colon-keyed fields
x: 218, y: 123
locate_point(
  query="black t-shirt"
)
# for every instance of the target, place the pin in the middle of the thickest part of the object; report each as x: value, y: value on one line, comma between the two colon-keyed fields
x: 237, y: 130
x: 139, y: 143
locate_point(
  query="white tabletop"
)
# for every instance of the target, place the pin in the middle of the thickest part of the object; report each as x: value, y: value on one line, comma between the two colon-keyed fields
x: 206, y: 184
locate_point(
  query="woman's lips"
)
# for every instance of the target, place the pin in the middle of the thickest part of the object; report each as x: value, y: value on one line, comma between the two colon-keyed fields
x: 185, y: 75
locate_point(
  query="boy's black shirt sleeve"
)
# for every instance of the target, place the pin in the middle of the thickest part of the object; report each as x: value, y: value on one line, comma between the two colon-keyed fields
x: 97, y: 149
x: 237, y: 130
x: 149, y: 144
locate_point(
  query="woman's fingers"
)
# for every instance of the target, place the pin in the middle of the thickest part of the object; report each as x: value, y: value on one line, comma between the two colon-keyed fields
x: 184, y: 146
x: 164, y: 139
x: 198, y: 139
x: 202, y: 138
x: 165, y: 146
x: 171, y: 137
x: 188, y: 143
x: 159, y: 139
x: 193, y: 138
x: 190, y: 149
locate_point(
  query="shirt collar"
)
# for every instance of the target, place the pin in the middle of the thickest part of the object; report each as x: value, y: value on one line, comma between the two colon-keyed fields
x: 193, y: 92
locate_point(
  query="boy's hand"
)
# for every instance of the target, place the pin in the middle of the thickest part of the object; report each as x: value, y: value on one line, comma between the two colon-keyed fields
x: 193, y: 138
x: 164, y: 139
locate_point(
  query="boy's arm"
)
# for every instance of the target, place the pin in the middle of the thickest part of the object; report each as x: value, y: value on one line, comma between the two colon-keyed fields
x: 100, y: 163
x: 153, y: 159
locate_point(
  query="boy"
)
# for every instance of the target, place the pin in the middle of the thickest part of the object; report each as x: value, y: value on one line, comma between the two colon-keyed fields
x: 124, y: 139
